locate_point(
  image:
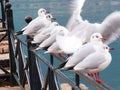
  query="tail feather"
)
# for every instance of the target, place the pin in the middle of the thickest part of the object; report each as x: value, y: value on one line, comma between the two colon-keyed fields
x: 68, y: 68
x: 18, y: 33
x: 61, y: 65
x: 39, y: 48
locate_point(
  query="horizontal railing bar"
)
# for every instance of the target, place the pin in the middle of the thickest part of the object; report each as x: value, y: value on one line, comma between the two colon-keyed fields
x: 58, y: 72
x: 5, y: 76
x: 62, y: 59
x: 23, y: 42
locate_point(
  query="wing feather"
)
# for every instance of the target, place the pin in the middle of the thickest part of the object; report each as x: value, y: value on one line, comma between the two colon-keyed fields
x: 110, y: 28
x: 75, y: 19
x: 92, y: 61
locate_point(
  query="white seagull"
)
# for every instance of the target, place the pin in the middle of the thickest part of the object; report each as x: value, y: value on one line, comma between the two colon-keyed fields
x: 76, y: 10
x: 54, y: 48
x: 37, y: 24
x: 95, y: 62
x: 41, y: 13
x: 82, y: 52
x: 59, y: 30
x: 45, y: 33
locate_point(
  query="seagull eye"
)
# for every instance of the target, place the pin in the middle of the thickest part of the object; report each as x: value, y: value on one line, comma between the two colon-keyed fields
x: 43, y: 10
x: 48, y: 16
x: 106, y: 47
x: 96, y: 36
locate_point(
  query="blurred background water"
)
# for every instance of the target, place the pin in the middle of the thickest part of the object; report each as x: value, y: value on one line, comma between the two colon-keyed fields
x: 93, y: 10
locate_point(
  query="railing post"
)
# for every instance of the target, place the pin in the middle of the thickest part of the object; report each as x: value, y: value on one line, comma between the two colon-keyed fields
x: 52, y: 83
x: 77, y: 80
x: 21, y: 71
x: 35, y: 83
x: 10, y: 28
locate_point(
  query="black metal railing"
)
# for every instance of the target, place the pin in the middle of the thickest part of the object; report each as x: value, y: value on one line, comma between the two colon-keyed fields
x: 25, y: 65
x: 3, y: 37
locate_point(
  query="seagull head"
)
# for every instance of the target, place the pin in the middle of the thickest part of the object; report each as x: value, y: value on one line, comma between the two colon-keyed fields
x: 42, y: 12
x: 96, y: 37
x: 50, y: 17
x: 54, y: 24
x: 107, y: 48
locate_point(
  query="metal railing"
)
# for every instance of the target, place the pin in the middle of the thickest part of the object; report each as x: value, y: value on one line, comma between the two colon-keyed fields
x: 3, y: 29
x: 25, y: 65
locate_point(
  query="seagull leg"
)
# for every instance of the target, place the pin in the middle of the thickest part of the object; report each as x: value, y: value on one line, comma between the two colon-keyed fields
x: 94, y: 76
x: 60, y: 54
x: 98, y: 78
x: 88, y: 74
x: 91, y: 75
x: 68, y: 55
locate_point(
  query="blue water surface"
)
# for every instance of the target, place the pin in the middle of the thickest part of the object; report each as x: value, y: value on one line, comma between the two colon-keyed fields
x: 93, y: 10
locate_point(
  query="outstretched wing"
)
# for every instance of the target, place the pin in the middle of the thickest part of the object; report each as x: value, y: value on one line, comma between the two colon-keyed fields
x: 110, y: 28
x: 76, y: 4
x: 76, y: 8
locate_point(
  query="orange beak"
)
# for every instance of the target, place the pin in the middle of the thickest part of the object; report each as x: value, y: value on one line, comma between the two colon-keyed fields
x: 102, y: 39
x: 53, y: 18
x: 111, y: 48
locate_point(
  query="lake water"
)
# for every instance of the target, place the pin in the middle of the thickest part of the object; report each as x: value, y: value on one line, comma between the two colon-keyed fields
x: 93, y: 10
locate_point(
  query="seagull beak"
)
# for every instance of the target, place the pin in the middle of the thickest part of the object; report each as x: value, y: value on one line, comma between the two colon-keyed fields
x: 111, y: 48
x: 53, y: 18
x: 102, y: 39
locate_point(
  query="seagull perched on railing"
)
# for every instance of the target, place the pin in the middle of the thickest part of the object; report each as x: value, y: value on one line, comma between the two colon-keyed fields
x: 37, y: 24
x: 95, y: 62
x: 95, y: 41
x: 43, y: 19
x: 58, y: 30
x: 45, y: 33
x: 41, y: 13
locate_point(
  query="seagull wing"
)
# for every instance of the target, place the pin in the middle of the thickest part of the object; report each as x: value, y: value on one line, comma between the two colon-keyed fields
x: 33, y: 26
x: 49, y: 41
x: 79, y: 55
x: 110, y: 28
x: 76, y: 9
x: 68, y: 44
x: 92, y: 61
